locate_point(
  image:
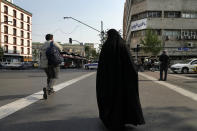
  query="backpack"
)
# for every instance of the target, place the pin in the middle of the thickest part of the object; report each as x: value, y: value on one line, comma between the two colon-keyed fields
x: 53, y: 55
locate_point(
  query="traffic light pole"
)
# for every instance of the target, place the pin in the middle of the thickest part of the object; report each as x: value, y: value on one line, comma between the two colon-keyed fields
x: 101, y: 32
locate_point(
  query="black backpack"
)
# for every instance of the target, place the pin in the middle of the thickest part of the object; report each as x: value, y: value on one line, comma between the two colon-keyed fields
x: 53, y: 55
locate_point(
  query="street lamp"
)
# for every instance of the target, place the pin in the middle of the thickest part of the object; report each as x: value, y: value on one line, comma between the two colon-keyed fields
x: 101, y: 32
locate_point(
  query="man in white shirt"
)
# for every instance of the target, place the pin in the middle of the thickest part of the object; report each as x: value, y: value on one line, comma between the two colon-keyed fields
x: 50, y: 70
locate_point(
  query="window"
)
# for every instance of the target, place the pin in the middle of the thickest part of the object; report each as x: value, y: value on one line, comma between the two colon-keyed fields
x: 14, y: 40
x: 22, y: 25
x: 28, y: 27
x: 172, y: 14
x: 28, y: 51
x: 6, y: 48
x: 189, y: 34
x: 172, y: 34
x: 5, y: 19
x: 22, y: 42
x: 148, y: 14
x: 28, y: 43
x: 154, y: 14
x: 14, y: 13
x: 6, y: 29
x: 5, y: 39
x: 22, y: 16
x: 14, y: 22
x: 28, y: 19
x: 134, y: 17
x: 14, y: 32
x: 14, y: 50
x: 22, y: 50
x: 28, y: 36
x: 5, y: 9
x: 189, y: 15
x: 22, y: 33
x: 142, y: 15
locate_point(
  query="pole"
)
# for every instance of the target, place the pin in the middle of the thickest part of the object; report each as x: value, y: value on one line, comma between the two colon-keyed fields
x: 82, y: 23
x: 101, y: 32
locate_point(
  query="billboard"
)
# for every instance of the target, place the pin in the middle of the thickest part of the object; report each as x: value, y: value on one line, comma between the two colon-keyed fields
x: 139, y: 25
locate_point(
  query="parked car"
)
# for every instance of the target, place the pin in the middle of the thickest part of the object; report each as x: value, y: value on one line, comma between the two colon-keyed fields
x: 184, y: 67
x: 27, y: 65
x: 11, y: 65
x: 93, y: 65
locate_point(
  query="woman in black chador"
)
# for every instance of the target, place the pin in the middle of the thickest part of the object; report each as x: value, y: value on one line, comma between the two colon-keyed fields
x: 117, y: 85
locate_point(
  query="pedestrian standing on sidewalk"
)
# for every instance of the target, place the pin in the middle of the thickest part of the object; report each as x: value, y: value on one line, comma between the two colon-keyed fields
x: 164, y: 62
x: 117, y: 85
x: 50, y: 70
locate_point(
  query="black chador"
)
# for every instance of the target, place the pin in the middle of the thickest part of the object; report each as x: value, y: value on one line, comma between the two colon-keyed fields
x: 117, y: 85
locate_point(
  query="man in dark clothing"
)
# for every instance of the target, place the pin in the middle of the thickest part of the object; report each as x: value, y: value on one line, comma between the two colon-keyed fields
x: 117, y: 85
x: 164, y: 61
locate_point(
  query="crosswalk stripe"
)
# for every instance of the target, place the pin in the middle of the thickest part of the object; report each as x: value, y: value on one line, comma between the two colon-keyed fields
x: 183, y: 77
x: 177, y: 89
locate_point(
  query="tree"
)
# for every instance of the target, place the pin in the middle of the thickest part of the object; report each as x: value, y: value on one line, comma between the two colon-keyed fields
x: 87, y: 51
x: 1, y: 52
x: 94, y: 54
x: 151, y: 43
x: 35, y: 54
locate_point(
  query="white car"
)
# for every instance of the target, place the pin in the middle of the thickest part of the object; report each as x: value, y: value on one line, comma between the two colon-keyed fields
x: 11, y: 65
x: 185, y: 67
x: 91, y: 66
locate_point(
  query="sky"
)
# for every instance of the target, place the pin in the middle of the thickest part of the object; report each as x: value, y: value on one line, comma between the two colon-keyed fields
x: 48, y: 18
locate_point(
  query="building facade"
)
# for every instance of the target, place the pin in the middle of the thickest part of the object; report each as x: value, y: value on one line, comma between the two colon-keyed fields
x: 174, y: 21
x: 16, y: 32
x: 69, y: 48
x: 74, y: 48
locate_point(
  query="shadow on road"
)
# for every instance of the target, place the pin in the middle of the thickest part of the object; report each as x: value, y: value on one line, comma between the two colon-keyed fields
x: 71, y: 124
x: 169, y: 119
x: 147, y: 80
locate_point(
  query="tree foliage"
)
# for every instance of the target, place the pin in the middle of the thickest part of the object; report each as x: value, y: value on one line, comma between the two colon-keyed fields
x: 35, y: 54
x: 91, y: 53
x: 151, y: 43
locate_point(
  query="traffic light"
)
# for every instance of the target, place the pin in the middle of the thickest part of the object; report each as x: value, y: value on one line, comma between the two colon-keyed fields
x: 70, y: 40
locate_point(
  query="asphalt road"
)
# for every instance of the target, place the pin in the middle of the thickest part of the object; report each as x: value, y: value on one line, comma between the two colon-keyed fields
x: 74, y: 107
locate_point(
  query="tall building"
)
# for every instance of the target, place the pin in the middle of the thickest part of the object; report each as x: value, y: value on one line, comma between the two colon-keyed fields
x: 16, y: 32
x: 173, y: 20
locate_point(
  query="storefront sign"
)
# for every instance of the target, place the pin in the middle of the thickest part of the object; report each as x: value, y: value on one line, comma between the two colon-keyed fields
x: 139, y: 25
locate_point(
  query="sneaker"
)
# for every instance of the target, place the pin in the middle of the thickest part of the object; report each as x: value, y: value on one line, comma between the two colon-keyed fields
x: 50, y: 91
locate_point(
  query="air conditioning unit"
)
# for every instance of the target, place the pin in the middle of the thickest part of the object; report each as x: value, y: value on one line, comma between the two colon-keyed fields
x: 190, y: 44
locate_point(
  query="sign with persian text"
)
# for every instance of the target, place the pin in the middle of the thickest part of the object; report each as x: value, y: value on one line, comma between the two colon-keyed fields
x: 139, y: 25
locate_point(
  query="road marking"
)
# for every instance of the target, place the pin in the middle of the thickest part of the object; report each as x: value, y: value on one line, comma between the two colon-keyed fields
x: 184, y: 77
x: 179, y: 90
x: 17, y: 105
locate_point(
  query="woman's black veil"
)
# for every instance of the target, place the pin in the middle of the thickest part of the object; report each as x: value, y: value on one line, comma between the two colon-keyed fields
x: 117, y: 84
